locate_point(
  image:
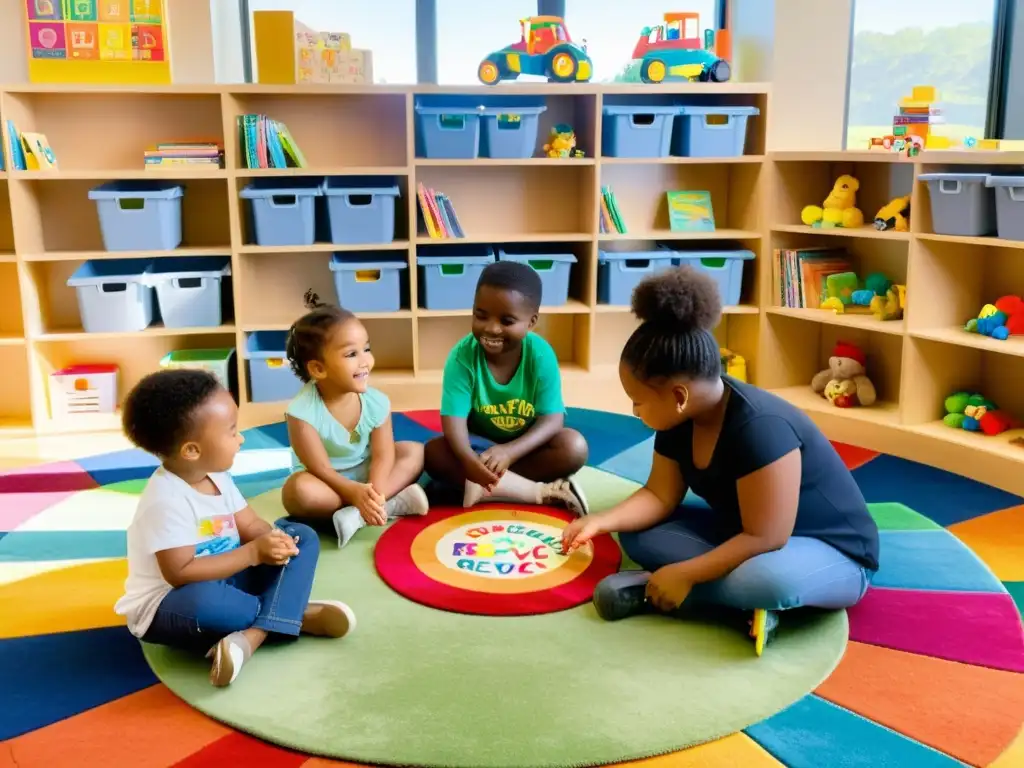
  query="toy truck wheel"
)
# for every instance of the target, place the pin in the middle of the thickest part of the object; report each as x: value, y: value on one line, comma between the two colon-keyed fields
x: 719, y: 72
x: 489, y: 72
x: 562, y: 67
x: 653, y: 71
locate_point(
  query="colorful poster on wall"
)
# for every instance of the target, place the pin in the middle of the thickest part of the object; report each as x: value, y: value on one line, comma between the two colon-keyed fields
x: 98, y: 41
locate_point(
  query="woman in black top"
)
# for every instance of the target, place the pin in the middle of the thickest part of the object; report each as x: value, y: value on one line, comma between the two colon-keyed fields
x: 787, y: 526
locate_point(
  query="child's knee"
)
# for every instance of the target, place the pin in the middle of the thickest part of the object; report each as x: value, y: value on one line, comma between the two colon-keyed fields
x: 410, y: 453
x: 437, y: 454
x: 573, y: 445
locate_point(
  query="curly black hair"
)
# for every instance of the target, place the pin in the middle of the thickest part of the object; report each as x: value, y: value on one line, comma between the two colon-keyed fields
x: 307, y: 335
x: 514, y: 276
x: 677, y: 310
x: 159, y: 413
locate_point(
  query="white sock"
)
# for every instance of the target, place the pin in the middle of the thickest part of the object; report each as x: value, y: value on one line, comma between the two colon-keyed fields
x: 511, y: 487
x: 228, y: 657
x: 347, y: 521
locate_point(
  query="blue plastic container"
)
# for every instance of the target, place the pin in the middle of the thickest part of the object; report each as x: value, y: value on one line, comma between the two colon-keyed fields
x: 961, y: 203
x: 726, y: 267
x: 139, y: 215
x: 361, y: 209
x: 189, y: 290
x: 512, y: 132
x: 703, y: 131
x: 369, y: 282
x: 271, y: 378
x: 553, y: 268
x: 637, y: 131
x: 1009, y: 205
x: 283, y: 211
x: 448, y: 275
x: 448, y: 131
x: 114, y: 295
x: 618, y: 272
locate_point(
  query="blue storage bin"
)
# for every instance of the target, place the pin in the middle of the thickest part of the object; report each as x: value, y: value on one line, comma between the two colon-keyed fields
x: 283, y: 211
x: 1009, y: 205
x: 361, y: 209
x: 637, y: 131
x: 139, y: 215
x: 114, y: 295
x: 188, y: 290
x: 618, y: 272
x: 368, y: 282
x: 449, y: 275
x: 711, y: 131
x: 271, y: 378
x: 553, y: 268
x: 511, y: 132
x: 448, y: 131
x: 726, y: 267
x: 961, y: 203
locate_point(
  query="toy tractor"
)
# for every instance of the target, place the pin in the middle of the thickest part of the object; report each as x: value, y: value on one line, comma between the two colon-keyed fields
x: 544, y: 49
x: 675, y: 51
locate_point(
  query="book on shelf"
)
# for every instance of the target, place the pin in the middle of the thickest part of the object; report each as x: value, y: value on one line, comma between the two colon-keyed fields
x: 690, y: 211
x: 438, y: 214
x: 191, y: 154
x: 799, y: 275
x: 610, y: 216
x: 267, y: 143
x: 17, y: 149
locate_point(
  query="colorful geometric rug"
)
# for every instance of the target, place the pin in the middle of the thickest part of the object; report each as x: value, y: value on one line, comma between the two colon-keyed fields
x: 496, y: 560
x: 932, y: 675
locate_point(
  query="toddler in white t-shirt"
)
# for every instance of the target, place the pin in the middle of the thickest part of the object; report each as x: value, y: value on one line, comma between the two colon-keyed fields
x: 204, y: 572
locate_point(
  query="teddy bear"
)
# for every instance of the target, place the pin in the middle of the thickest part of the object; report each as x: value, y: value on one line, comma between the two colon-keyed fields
x: 839, y: 209
x: 845, y: 383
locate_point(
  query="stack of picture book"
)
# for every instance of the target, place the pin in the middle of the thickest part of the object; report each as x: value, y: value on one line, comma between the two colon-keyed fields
x: 438, y: 214
x: 799, y: 274
x: 611, y: 216
x: 184, y: 155
x: 267, y: 143
x: 29, y: 151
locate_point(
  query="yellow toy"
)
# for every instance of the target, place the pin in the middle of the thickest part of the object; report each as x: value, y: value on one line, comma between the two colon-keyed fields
x: 894, y: 215
x: 839, y: 209
x: 892, y: 305
x: 562, y: 142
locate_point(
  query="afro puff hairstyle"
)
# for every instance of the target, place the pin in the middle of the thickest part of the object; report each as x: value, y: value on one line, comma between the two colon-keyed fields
x: 159, y: 413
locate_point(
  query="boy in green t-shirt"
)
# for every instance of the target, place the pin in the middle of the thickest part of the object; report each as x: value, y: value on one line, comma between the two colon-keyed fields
x: 501, y: 403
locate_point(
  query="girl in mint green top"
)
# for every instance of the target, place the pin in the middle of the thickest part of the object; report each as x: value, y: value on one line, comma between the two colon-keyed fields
x: 349, y: 467
x: 501, y: 403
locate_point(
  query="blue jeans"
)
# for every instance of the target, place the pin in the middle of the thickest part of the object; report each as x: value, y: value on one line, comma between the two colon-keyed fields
x: 268, y: 597
x: 806, y: 572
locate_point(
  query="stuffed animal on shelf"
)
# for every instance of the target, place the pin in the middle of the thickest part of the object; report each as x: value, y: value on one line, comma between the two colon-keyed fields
x: 845, y: 383
x: 562, y: 142
x: 894, y: 215
x: 1001, y: 320
x: 839, y: 209
x: 892, y: 305
x: 975, y: 413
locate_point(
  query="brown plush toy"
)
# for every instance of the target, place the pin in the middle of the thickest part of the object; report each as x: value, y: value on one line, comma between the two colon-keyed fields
x: 845, y: 383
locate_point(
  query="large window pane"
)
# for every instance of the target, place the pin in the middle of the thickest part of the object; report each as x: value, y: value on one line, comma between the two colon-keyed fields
x: 386, y: 27
x: 611, y: 28
x: 944, y: 43
x: 468, y: 30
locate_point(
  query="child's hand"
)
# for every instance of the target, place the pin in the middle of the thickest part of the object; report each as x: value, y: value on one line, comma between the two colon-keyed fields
x: 579, y: 532
x: 274, y: 547
x: 477, y: 472
x: 497, y: 459
x: 370, y: 504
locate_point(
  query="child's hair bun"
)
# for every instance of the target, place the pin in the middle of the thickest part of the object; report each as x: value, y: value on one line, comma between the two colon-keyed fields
x: 682, y: 299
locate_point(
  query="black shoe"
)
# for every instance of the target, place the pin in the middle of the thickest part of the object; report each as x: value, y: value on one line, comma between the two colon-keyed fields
x: 621, y: 595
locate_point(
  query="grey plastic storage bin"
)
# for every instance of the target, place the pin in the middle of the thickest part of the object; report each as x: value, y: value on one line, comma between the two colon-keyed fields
x: 114, y: 295
x: 703, y: 131
x: 1009, y: 205
x: 961, y: 204
x: 448, y: 131
x: 139, y: 215
x: 726, y: 267
x: 283, y: 212
x: 271, y: 378
x: 618, y: 272
x: 189, y: 290
x: 361, y: 209
x: 553, y: 268
x: 512, y: 132
x: 448, y: 275
x: 368, y: 282
x: 637, y: 131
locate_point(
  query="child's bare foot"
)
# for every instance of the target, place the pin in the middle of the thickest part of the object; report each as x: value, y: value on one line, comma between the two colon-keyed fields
x: 229, y: 655
x: 410, y: 501
x: 564, y: 493
x: 328, y: 618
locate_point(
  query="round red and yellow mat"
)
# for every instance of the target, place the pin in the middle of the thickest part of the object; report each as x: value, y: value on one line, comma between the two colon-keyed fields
x: 492, y: 560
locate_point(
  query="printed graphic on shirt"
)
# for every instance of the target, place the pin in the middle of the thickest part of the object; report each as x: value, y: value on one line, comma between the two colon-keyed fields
x: 216, y: 535
x: 510, y: 416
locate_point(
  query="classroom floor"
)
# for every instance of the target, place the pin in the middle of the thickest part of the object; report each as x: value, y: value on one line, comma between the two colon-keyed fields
x: 933, y: 674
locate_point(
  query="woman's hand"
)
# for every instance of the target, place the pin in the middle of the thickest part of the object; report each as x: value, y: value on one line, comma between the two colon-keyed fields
x: 668, y: 588
x: 579, y: 532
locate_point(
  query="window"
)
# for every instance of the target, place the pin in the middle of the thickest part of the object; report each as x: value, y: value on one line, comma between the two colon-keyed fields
x: 385, y: 27
x: 611, y: 29
x: 944, y: 43
x: 467, y: 32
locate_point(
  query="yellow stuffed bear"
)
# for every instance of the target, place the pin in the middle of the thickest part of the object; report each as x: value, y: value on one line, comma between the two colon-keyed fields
x: 840, y: 207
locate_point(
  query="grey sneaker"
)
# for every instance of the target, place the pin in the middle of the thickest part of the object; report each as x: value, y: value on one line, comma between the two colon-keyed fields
x: 622, y: 595
x: 410, y: 501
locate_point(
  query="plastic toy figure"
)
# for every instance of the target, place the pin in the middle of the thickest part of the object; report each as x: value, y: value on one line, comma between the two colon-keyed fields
x: 545, y: 49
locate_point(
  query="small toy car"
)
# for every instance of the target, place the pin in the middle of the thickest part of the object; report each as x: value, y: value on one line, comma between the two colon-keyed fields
x: 675, y: 51
x: 544, y: 49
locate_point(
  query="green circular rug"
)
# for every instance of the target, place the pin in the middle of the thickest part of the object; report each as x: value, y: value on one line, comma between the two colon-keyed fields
x: 422, y: 687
